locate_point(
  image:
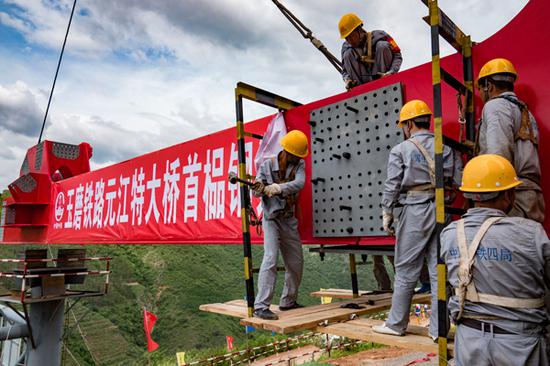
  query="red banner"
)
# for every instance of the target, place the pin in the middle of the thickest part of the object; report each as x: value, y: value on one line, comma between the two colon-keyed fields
x: 175, y: 195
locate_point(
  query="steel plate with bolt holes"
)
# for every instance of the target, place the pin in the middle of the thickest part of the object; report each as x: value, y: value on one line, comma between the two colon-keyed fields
x: 351, y: 141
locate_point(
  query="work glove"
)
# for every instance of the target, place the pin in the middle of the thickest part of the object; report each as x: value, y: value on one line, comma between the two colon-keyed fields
x: 272, y: 190
x: 350, y: 84
x: 258, y: 187
x: 387, y: 222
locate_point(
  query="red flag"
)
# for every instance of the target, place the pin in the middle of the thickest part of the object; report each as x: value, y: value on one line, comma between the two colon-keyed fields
x: 149, y: 320
x: 229, y: 341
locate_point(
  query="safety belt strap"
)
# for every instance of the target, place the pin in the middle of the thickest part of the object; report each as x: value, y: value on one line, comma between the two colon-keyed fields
x: 466, y: 286
x: 429, y: 160
x: 368, y: 58
x: 525, y: 131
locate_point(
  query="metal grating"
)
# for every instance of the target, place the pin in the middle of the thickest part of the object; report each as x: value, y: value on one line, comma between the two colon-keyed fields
x: 351, y: 141
x: 66, y: 151
x: 25, y: 166
x: 25, y: 183
x: 38, y: 158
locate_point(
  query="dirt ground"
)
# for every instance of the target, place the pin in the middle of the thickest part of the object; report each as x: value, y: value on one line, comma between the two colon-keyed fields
x: 386, y: 357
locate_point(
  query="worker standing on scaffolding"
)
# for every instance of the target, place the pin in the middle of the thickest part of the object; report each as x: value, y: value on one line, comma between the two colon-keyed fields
x: 366, y: 56
x: 411, y: 182
x: 278, y: 182
x: 508, y: 129
x: 498, y: 266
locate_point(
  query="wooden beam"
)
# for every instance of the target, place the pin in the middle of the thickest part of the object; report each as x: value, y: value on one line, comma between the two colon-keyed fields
x: 341, y: 293
x: 416, y: 337
x: 311, y: 317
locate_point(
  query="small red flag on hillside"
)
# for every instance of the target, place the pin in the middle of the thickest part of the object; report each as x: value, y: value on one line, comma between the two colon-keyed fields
x: 229, y: 341
x: 149, y: 320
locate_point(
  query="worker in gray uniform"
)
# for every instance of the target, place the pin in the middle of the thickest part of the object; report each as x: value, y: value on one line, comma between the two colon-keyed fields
x: 508, y: 129
x: 366, y: 56
x: 411, y: 182
x: 278, y: 182
x: 498, y: 267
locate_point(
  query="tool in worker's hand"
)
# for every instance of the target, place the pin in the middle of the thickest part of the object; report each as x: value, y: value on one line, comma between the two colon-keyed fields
x: 256, y: 186
x: 234, y: 179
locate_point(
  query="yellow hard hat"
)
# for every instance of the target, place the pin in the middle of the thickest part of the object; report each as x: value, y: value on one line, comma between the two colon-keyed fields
x: 414, y: 108
x: 295, y: 142
x: 348, y: 23
x: 489, y: 173
x: 497, y: 66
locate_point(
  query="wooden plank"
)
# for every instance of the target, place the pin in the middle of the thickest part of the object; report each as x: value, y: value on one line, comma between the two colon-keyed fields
x: 225, y: 309
x: 416, y: 337
x: 311, y: 317
x: 341, y: 293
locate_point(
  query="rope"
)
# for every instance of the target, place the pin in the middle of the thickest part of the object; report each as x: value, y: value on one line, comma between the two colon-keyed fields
x: 56, y: 73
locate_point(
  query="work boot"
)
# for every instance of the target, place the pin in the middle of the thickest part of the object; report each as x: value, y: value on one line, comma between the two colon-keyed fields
x: 290, y: 307
x: 265, y: 314
x: 382, y: 329
x: 424, y: 289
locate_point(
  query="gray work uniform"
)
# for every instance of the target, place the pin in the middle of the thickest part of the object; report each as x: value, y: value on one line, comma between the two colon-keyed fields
x: 498, y: 134
x: 415, y: 237
x: 387, y: 57
x: 280, y: 229
x: 512, y: 260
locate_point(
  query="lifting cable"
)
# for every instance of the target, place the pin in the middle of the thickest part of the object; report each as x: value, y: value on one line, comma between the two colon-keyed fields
x: 56, y: 72
x: 306, y: 33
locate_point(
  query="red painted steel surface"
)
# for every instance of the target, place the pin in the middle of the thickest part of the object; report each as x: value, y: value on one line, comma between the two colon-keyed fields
x: 523, y: 41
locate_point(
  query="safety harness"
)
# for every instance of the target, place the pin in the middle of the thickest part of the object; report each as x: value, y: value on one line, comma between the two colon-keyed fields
x: 368, y: 57
x: 466, y: 289
x: 525, y: 131
x: 290, y: 200
x: 428, y: 187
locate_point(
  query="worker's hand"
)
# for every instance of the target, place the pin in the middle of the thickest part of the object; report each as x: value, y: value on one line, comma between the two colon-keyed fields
x: 258, y: 187
x: 384, y: 74
x: 272, y: 190
x: 350, y: 84
x: 387, y: 223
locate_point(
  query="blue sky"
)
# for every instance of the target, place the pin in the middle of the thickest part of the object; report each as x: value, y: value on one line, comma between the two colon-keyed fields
x: 141, y: 75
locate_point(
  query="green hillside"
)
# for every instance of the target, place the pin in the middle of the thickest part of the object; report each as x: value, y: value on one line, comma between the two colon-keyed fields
x: 172, y: 281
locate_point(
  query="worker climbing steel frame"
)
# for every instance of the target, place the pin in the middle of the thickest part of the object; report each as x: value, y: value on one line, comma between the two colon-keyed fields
x: 440, y: 24
x: 264, y: 97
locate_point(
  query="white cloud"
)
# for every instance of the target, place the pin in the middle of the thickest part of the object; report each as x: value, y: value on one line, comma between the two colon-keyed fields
x: 19, y: 110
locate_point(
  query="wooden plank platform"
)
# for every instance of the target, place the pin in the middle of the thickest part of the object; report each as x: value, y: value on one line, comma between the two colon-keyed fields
x: 416, y: 337
x: 338, y: 293
x: 309, y: 317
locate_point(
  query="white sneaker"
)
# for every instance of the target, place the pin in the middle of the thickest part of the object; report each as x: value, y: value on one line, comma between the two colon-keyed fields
x: 386, y: 330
